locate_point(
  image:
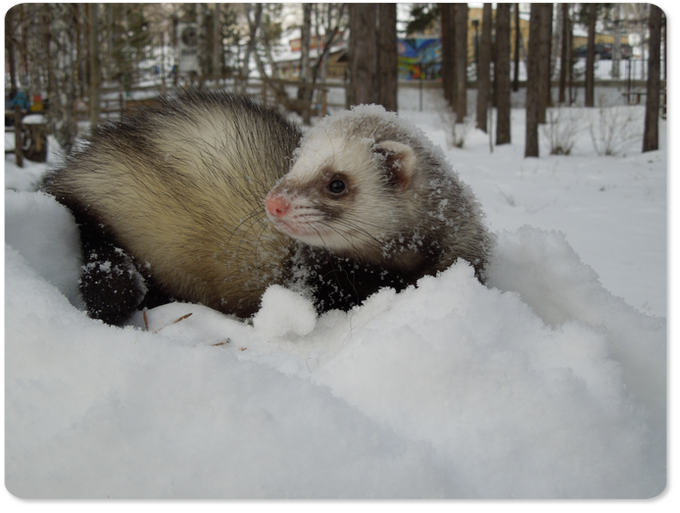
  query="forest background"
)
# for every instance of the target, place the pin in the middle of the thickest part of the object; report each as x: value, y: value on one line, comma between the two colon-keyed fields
x: 89, y: 62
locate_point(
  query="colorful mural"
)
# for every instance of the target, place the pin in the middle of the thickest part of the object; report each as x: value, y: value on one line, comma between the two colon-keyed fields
x: 420, y: 59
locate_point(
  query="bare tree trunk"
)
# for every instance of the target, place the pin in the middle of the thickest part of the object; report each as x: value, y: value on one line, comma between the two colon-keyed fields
x: 590, y: 61
x: 544, y: 60
x: 22, y: 35
x: 33, y: 44
x: 518, y: 40
x: 448, y: 51
x: 202, y: 37
x: 320, y: 69
x: 570, y: 52
x: 51, y: 85
x: 461, y: 61
x: 305, y: 43
x: 387, y: 56
x: 546, y: 36
x: 502, y: 73
x: 494, y: 58
x: 62, y: 101
x: 363, y: 55
x: 651, y: 135
x: 304, y: 91
x: 644, y: 39
x: 95, y: 73
x: 333, y: 25
x: 80, y: 41
x: 217, y: 46
x: 556, y: 48
x: 373, y: 55
x: 320, y: 46
x: 266, y: 39
x: 253, y: 26
x: 110, y: 38
x: 664, y: 30
x: 616, y: 46
x: 9, y: 49
x: 484, y: 69
x: 174, y: 42
x: 533, y: 81
x: 564, y: 53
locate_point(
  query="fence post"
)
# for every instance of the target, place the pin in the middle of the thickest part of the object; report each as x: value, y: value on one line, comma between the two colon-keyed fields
x: 324, y: 102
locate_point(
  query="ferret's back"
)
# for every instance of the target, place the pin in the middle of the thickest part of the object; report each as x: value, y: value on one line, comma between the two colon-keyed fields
x: 181, y: 186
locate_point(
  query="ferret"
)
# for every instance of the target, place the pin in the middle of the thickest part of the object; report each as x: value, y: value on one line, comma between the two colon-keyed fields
x: 211, y: 198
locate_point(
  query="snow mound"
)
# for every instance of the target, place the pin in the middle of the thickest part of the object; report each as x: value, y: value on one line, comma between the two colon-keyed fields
x: 539, y: 385
x: 44, y: 232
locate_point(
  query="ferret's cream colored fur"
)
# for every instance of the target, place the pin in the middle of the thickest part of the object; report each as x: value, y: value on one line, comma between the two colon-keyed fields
x: 182, y: 188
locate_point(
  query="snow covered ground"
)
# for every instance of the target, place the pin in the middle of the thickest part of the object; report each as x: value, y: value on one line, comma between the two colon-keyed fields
x: 550, y: 382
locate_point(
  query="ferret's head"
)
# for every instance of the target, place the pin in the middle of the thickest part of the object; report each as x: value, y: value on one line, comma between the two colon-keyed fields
x: 348, y: 191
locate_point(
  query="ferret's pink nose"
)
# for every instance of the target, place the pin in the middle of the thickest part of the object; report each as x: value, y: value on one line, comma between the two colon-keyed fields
x: 277, y: 205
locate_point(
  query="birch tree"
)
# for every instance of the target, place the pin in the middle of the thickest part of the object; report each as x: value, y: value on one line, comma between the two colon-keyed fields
x: 61, y: 119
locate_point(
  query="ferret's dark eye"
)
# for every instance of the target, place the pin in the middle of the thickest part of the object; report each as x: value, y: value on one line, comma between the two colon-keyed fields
x: 337, y: 187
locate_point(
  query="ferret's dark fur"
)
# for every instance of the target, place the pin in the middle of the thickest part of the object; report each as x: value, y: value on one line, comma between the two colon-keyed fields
x: 173, y: 203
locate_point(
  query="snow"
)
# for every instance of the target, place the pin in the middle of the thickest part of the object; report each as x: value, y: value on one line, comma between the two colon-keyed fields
x: 549, y: 382
x: 34, y: 119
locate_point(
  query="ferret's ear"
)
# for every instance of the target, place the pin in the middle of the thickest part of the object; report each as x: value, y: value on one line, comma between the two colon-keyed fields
x: 399, y: 164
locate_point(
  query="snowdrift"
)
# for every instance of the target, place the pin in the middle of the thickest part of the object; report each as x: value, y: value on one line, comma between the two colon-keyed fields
x: 540, y: 385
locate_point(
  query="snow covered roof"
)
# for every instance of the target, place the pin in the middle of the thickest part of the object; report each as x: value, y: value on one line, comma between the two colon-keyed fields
x: 286, y: 53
